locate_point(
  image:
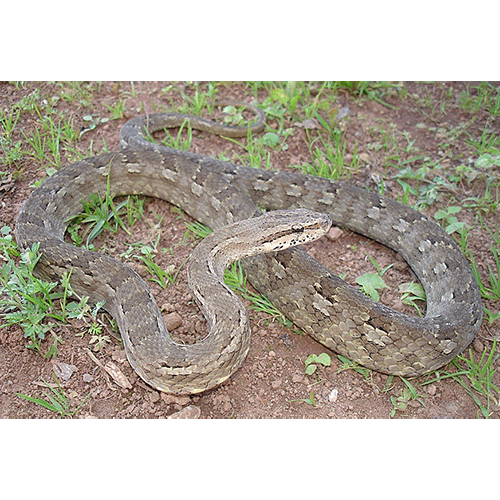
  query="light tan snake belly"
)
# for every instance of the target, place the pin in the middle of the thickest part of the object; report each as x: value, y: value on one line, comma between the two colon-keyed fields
x: 219, y: 193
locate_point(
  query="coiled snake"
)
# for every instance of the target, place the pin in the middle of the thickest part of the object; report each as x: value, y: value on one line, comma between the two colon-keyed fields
x: 217, y: 194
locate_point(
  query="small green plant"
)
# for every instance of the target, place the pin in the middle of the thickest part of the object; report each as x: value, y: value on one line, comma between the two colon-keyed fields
x: 92, y: 122
x: 47, y: 141
x: 29, y: 103
x: 199, y: 230
x: 117, y: 110
x: 476, y: 377
x: 488, y: 161
x: 8, y: 246
x: 412, y: 292
x: 489, y: 291
x: 408, y: 393
x: 484, y: 96
x: 310, y: 400
x: 314, y: 360
x: 32, y: 303
x: 347, y: 364
x: 488, y: 142
x: 135, y: 209
x: 79, y: 93
x: 57, y: 402
x: 199, y: 101
x: 100, y: 213
x: 95, y: 327
x: 12, y: 151
x: 158, y: 274
x: 328, y: 154
x: 181, y: 141
x: 8, y: 121
x: 27, y: 300
x: 233, y: 116
x: 236, y: 279
x: 98, y: 340
x: 371, y: 282
x: 270, y: 139
x: 491, y: 316
x: 257, y: 154
x: 449, y: 221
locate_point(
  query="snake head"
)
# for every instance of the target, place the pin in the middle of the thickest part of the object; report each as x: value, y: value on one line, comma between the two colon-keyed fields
x: 280, y: 229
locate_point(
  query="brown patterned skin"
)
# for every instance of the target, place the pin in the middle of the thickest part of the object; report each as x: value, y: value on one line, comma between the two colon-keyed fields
x: 218, y: 193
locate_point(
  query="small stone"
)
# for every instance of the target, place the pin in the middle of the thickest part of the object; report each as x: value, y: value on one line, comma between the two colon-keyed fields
x: 431, y: 389
x: 190, y: 412
x: 272, y: 354
x: 154, y: 397
x: 478, y: 346
x: 172, y: 321
x: 332, y: 397
x: 87, y: 377
x: 172, y: 399
x: 334, y: 233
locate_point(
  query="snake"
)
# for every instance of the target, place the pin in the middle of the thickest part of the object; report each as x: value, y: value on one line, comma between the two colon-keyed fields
x: 223, y: 195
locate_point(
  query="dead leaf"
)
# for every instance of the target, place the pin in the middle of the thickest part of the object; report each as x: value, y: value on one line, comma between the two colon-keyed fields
x: 110, y: 368
x: 117, y: 375
x: 63, y: 370
x: 308, y: 123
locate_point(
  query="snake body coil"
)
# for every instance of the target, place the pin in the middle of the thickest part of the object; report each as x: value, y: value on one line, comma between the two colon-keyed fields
x: 219, y: 193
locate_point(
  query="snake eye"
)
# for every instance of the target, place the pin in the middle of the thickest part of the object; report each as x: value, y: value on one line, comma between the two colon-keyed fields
x: 297, y: 228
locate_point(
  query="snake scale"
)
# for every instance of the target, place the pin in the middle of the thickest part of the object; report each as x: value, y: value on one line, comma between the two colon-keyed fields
x: 219, y: 193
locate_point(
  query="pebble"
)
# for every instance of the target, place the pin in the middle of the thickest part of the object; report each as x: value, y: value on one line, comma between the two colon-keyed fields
x: 172, y: 321
x: 333, y: 395
x: 172, y: 399
x: 190, y: 412
x: 334, y: 233
x: 477, y: 345
x: 87, y: 377
x: 431, y: 389
x: 154, y: 397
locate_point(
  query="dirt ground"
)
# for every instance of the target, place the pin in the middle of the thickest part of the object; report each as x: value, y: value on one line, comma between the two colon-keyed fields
x: 272, y: 382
